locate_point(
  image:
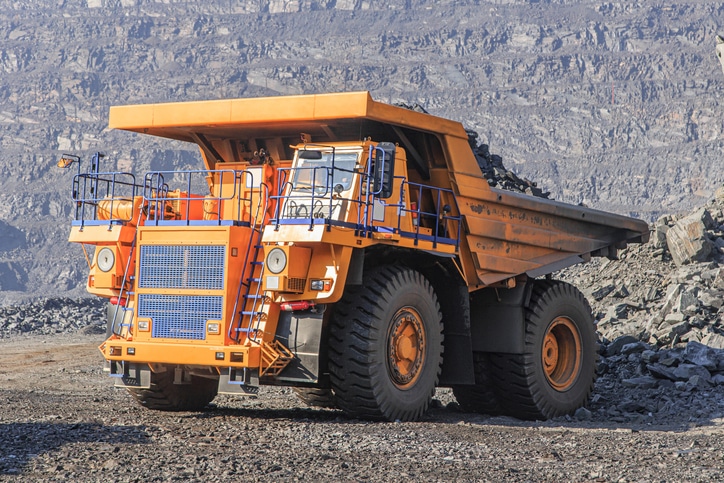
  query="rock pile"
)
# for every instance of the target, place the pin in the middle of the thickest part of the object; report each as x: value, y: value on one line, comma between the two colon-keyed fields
x: 492, y: 164
x: 497, y: 175
x: 668, y: 292
x: 639, y: 382
x: 53, y: 316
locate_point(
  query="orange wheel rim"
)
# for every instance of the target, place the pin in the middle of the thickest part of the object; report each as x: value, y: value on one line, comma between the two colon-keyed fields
x: 561, y: 353
x: 406, y: 347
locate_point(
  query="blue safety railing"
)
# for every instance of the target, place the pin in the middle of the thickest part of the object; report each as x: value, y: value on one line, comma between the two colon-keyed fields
x: 181, y: 207
x: 99, y: 197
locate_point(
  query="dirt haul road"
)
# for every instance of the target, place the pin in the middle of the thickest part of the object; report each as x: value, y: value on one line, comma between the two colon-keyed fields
x: 61, y: 421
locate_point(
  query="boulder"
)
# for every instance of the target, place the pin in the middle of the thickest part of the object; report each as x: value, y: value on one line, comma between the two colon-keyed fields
x: 714, y: 340
x: 684, y: 372
x: 660, y: 228
x: 687, y: 241
x: 701, y: 355
x: 615, y: 347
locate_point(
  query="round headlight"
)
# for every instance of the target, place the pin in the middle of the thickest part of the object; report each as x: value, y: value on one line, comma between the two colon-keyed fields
x: 105, y: 260
x: 276, y: 261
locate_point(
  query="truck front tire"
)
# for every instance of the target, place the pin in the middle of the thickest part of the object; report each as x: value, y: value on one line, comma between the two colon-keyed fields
x: 164, y: 395
x: 385, y: 347
x: 316, y: 397
x: 556, y: 373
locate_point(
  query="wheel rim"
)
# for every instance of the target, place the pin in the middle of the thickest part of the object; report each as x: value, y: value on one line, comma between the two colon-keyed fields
x: 406, y: 347
x: 561, y: 353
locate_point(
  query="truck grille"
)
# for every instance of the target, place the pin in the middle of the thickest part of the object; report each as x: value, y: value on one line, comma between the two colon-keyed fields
x: 197, y: 267
x: 180, y: 316
x: 182, y: 266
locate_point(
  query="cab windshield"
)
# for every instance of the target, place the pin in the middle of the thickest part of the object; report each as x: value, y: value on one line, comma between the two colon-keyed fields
x: 317, y: 174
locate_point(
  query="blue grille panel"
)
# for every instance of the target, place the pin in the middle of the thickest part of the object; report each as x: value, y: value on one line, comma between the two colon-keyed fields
x: 180, y: 316
x: 182, y: 266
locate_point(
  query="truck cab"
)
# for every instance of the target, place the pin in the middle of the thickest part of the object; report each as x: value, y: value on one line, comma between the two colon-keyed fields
x: 339, y: 197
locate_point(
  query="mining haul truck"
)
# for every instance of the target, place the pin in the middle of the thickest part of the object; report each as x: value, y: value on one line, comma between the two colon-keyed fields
x: 345, y: 247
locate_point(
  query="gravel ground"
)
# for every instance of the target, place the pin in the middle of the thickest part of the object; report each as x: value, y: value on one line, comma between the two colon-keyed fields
x: 61, y: 421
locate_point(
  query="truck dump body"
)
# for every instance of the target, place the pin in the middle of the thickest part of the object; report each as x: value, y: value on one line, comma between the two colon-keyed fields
x: 506, y: 234
x: 511, y: 233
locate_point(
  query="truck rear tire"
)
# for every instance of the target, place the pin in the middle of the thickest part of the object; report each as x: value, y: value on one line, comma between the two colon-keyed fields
x: 164, y: 395
x: 316, y: 397
x: 480, y: 398
x: 556, y: 374
x: 385, y: 353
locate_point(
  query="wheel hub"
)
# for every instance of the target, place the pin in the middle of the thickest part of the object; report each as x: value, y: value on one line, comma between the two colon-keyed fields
x: 406, y: 347
x: 561, y: 353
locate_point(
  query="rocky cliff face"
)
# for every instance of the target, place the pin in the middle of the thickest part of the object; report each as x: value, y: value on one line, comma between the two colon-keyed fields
x: 613, y: 104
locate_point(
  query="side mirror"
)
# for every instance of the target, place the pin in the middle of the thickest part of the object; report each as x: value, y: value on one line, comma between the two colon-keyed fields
x: 383, y: 170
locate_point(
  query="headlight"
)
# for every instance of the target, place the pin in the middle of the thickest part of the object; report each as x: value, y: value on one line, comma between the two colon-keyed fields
x: 276, y: 261
x: 105, y: 260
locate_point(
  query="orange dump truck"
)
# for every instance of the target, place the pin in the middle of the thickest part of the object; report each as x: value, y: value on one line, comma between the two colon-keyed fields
x: 345, y: 247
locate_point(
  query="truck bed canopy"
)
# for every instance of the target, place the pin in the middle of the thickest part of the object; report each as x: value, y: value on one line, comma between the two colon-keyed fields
x: 272, y: 116
x: 273, y: 123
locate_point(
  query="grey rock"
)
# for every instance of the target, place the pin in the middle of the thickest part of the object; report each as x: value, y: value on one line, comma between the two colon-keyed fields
x: 634, y: 348
x: 641, y: 382
x: 688, y: 298
x: 666, y: 384
x: 674, y: 318
x: 649, y: 356
x: 685, y: 371
x: 714, y: 340
x: 661, y: 371
x: 618, y: 311
x: 600, y: 293
x: 651, y: 293
x: 713, y: 273
x: 583, y: 414
x: 679, y: 329
x: 693, y: 335
x: 660, y: 228
x: 682, y: 386
x: 699, y: 381
x: 621, y: 292
x: 717, y: 379
x: 710, y: 298
x: 615, y: 347
x: 671, y: 358
x: 672, y: 294
x: 687, y: 241
x: 701, y: 355
x: 697, y: 321
x: 661, y: 338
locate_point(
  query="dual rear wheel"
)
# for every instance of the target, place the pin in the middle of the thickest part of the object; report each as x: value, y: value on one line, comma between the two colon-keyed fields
x: 556, y: 372
x: 386, y: 352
